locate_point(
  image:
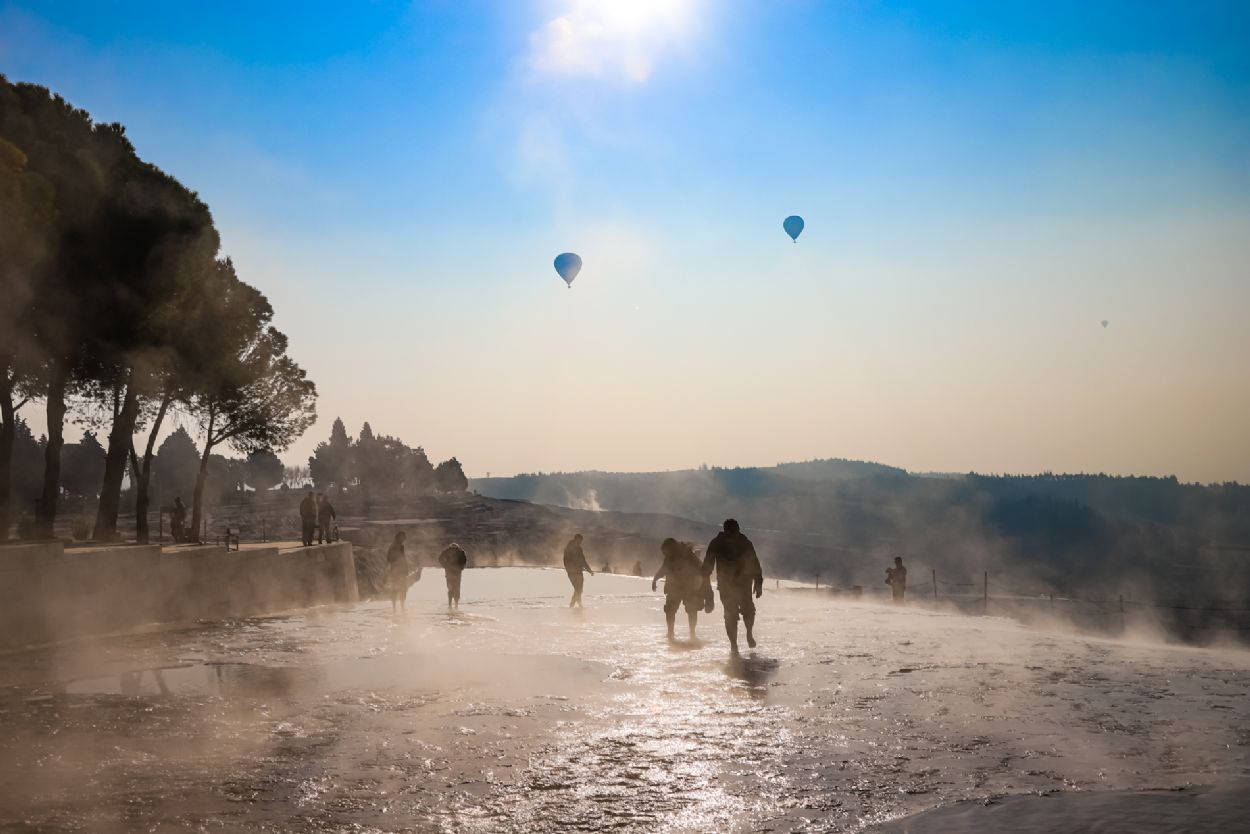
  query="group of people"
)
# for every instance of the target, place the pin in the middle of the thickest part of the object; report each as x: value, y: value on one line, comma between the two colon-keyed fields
x: 688, y: 580
x: 316, y: 515
x: 400, y: 575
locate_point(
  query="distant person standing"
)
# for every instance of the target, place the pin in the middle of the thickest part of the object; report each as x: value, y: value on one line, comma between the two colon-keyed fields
x: 308, y: 517
x: 684, y: 583
x: 574, y: 564
x: 896, y: 578
x: 397, y: 572
x: 454, y: 560
x: 738, y: 575
x: 178, y: 521
x: 325, y: 519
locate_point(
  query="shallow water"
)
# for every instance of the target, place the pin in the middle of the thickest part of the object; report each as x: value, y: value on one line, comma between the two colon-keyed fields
x: 518, y: 714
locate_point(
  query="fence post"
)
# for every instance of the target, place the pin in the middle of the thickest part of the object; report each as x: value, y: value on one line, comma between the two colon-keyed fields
x: 1121, y: 612
x: 934, y: 572
x: 1052, y: 604
x: 985, y: 595
x: 818, y: 580
x: 263, y: 536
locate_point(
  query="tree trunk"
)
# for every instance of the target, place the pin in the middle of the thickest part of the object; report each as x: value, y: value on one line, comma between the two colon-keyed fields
x: 8, y: 431
x: 143, y: 473
x: 45, y: 512
x: 197, y: 501
x: 120, y: 440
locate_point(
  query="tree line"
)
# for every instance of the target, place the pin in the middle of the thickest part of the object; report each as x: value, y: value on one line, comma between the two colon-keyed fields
x: 118, y: 309
x: 376, y: 467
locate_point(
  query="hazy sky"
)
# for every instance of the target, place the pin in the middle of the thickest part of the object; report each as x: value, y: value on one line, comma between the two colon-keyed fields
x: 983, y: 184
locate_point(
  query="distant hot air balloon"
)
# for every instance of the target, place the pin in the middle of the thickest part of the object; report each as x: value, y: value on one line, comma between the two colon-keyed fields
x: 793, y: 226
x: 568, y: 265
x: 1105, y: 323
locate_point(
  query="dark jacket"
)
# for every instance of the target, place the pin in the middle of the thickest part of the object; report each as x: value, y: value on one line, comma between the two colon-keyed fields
x: 735, y: 562
x: 575, y: 558
x: 308, y: 508
x: 325, y: 511
x: 453, y: 559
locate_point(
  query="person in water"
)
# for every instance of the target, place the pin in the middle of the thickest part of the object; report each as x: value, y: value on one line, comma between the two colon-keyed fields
x: 896, y: 578
x: 738, y: 576
x: 397, y: 578
x: 684, y: 583
x: 453, y: 559
x: 574, y: 564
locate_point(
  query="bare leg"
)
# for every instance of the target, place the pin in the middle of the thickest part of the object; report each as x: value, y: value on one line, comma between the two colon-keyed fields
x: 749, y: 621
x: 692, y: 616
x: 731, y: 630
x: 670, y: 617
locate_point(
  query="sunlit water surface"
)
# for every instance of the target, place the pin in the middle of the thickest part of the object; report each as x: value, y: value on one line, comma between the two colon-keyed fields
x: 517, y: 714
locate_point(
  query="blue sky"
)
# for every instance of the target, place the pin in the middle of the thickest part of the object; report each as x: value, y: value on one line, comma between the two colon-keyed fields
x: 983, y: 183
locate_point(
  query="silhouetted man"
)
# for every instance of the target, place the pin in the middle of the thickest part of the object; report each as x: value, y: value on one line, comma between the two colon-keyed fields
x: 178, y: 521
x: 453, y: 559
x: 738, y: 574
x: 574, y: 563
x: 684, y: 583
x: 896, y: 578
x: 325, y: 518
x: 308, y: 517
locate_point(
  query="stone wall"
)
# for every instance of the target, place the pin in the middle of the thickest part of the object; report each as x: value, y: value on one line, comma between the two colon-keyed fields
x: 49, y: 593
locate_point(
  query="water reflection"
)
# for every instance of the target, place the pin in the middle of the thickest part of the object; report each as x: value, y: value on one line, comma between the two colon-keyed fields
x: 754, y: 671
x: 241, y: 680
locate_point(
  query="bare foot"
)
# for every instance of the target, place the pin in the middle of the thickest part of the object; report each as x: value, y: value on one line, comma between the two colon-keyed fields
x: 750, y: 641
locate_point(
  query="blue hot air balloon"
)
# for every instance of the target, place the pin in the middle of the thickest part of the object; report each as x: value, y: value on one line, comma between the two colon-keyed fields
x: 793, y: 226
x: 568, y: 265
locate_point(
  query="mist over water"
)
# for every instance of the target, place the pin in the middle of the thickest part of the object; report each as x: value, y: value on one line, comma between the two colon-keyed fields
x: 518, y: 713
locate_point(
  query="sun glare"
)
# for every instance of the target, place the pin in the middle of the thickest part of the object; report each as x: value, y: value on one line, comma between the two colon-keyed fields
x: 623, y: 38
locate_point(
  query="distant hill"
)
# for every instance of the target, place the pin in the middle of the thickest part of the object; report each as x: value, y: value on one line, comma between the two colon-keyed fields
x: 1081, y: 533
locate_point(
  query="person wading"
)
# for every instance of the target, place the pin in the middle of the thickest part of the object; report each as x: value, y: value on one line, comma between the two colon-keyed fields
x: 574, y: 564
x: 896, y: 578
x: 453, y: 559
x: 308, y: 518
x: 684, y: 583
x: 738, y: 574
x: 397, y: 575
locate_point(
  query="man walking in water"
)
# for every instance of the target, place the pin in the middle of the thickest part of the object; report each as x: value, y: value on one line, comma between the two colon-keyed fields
x: 574, y: 563
x: 683, y: 583
x: 896, y: 578
x: 453, y: 559
x: 308, y: 518
x: 738, y: 575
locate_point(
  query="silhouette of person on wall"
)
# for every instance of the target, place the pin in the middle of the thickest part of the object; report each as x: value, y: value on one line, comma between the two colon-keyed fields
x: 325, y: 518
x: 397, y: 572
x: 574, y: 564
x: 684, y: 583
x: 453, y: 559
x: 738, y: 574
x: 896, y: 578
x: 308, y: 517
x: 178, y: 521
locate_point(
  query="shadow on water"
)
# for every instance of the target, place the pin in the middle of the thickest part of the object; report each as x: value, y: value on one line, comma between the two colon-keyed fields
x: 690, y: 645
x: 242, y: 680
x: 754, y: 671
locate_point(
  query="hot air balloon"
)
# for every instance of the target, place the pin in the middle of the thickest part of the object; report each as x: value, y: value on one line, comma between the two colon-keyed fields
x: 793, y: 226
x: 568, y: 265
x: 1104, y: 323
